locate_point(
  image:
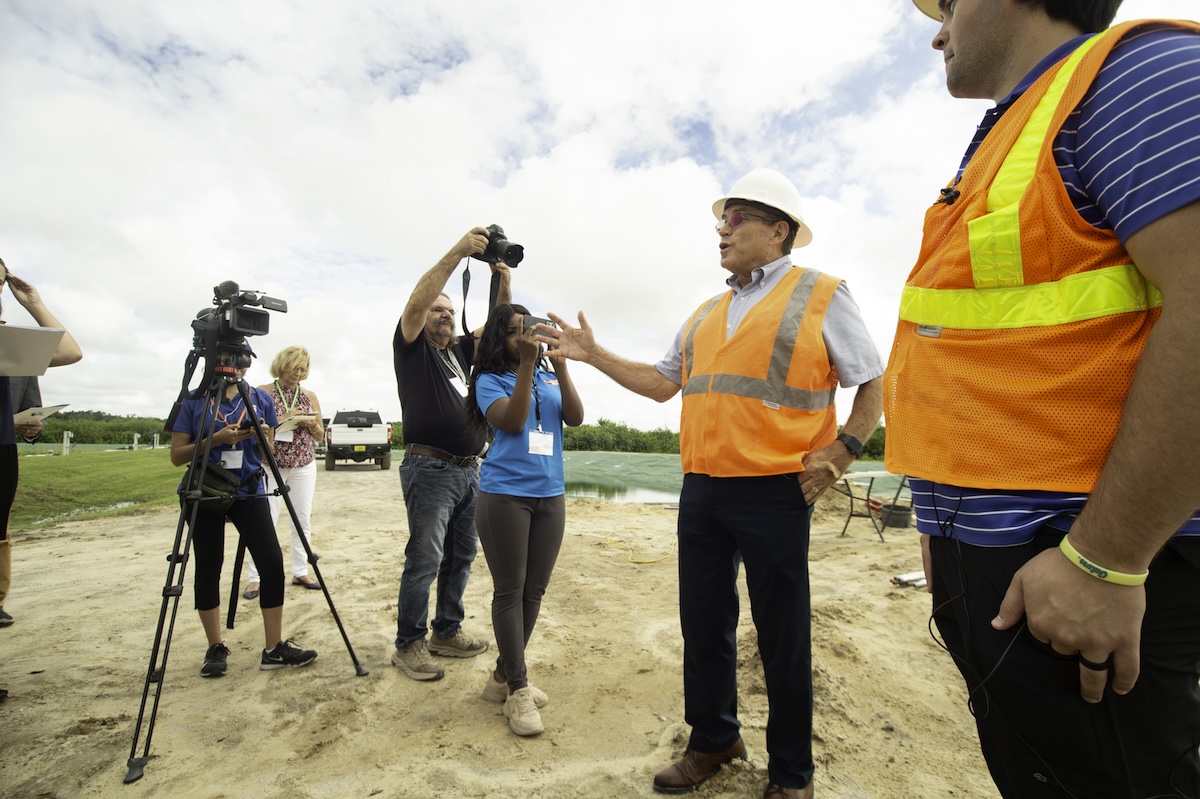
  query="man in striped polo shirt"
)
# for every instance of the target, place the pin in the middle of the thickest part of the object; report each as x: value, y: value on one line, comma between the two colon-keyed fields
x: 1043, y: 396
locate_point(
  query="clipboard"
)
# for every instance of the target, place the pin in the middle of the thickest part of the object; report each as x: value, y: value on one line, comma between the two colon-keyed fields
x: 290, y: 424
x: 36, y: 414
x: 26, y: 351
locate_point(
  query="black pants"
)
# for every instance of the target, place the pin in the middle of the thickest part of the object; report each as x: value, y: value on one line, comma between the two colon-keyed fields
x: 8, y: 485
x: 252, y: 518
x: 1039, y: 737
x: 521, y: 537
x: 765, y: 521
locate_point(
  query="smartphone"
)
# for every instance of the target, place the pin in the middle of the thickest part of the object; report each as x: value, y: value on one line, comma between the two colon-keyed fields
x: 245, y: 425
x: 530, y: 321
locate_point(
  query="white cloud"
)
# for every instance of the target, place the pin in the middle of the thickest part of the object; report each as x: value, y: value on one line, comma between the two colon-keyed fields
x: 328, y: 154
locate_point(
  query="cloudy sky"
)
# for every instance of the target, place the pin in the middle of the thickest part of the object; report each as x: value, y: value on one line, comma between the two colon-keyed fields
x: 329, y: 153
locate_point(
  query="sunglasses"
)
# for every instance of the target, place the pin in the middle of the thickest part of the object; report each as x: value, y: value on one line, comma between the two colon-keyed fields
x: 738, y: 217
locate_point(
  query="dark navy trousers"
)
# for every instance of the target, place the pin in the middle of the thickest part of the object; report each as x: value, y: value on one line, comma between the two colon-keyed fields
x: 764, y: 521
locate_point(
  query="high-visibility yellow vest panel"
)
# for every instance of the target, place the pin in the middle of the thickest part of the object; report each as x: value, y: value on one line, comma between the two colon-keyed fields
x: 1021, y: 325
x: 756, y: 403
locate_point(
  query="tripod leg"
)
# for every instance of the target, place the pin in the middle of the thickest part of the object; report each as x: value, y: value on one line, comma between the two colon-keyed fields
x: 269, y: 457
x: 237, y: 580
x: 172, y: 591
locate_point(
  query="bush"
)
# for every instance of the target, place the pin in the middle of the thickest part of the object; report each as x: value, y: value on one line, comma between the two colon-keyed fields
x: 609, y: 436
x: 95, y: 427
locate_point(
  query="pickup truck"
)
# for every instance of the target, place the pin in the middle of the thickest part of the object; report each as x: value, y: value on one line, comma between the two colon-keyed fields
x: 358, y: 436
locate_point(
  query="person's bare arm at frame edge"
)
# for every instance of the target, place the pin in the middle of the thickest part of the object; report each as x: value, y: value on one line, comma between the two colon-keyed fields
x: 68, y: 350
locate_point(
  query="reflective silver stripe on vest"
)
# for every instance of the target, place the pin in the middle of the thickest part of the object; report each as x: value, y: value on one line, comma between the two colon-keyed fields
x: 772, y: 390
x: 689, y: 348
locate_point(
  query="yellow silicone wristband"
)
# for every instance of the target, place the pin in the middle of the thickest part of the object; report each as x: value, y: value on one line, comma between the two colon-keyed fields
x: 1097, y: 571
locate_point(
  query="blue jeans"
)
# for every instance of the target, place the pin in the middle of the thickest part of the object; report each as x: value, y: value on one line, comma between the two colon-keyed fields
x: 440, y: 500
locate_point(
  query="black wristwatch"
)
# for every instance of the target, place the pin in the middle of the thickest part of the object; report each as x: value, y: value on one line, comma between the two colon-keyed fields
x: 853, y: 444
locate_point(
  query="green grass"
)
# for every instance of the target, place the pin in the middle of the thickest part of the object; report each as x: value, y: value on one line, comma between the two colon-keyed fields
x: 92, y: 485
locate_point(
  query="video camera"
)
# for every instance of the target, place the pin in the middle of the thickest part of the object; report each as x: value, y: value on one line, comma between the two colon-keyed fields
x: 222, y: 330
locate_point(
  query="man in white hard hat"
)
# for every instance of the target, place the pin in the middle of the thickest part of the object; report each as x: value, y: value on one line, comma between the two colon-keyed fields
x: 758, y: 365
x: 1043, y: 393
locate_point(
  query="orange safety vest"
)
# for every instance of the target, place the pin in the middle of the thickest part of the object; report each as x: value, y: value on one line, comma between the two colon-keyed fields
x: 1021, y: 325
x: 755, y: 403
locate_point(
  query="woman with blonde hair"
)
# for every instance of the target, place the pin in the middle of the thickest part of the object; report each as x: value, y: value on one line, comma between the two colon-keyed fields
x: 299, y: 429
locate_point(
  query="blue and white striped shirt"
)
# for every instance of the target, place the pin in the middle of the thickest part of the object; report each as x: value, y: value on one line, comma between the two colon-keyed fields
x: 1128, y: 156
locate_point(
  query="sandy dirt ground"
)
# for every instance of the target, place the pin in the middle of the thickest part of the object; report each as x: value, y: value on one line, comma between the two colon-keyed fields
x: 891, y: 716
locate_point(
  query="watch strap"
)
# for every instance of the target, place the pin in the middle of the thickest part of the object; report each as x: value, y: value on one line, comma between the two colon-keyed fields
x: 851, y: 443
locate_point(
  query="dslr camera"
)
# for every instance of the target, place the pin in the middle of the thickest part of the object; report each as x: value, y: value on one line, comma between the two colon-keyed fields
x: 500, y: 249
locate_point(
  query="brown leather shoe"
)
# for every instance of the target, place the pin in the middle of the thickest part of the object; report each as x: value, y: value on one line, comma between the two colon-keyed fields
x: 694, y: 768
x: 774, y: 791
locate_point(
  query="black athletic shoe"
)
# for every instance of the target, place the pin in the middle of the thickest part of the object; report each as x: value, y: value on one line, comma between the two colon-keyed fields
x: 5, y: 619
x: 214, y: 661
x: 284, y: 654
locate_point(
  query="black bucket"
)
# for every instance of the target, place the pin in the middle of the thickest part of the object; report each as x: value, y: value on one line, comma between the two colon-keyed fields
x: 896, y: 515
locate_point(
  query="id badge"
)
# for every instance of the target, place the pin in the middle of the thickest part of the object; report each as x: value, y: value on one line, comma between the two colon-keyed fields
x: 459, y: 386
x: 232, y: 460
x: 286, y: 435
x: 541, y: 443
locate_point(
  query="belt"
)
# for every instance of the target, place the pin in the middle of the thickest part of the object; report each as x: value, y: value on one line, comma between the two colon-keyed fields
x: 441, y: 455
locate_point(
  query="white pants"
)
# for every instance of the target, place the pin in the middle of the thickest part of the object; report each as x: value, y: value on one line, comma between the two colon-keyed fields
x: 302, y: 481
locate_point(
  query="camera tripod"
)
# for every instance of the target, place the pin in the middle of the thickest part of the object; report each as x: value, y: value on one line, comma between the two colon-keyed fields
x: 218, y: 379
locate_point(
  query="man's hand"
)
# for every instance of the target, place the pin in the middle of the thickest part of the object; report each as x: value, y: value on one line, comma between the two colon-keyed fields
x: 576, y: 343
x: 1078, y: 614
x: 472, y: 243
x: 822, y: 470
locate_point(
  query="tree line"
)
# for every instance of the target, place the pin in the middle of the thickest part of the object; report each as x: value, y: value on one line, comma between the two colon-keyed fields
x: 95, y: 427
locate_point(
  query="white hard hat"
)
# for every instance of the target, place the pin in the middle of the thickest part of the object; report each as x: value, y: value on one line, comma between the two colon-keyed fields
x: 770, y: 188
x: 929, y: 8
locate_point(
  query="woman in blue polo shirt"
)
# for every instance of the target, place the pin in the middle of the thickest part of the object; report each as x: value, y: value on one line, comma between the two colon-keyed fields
x: 235, y: 447
x: 521, y: 510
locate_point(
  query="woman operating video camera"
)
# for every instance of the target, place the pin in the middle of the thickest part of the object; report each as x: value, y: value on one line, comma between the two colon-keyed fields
x: 235, y: 448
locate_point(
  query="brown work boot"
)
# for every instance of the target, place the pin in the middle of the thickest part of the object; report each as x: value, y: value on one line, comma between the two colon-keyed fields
x: 414, y: 661
x: 774, y: 791
x: 459, y: 645
x: 694, y: 768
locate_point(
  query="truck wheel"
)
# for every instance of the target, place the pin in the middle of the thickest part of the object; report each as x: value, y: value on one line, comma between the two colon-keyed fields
x: 385, y: 462
x: 330, y: 461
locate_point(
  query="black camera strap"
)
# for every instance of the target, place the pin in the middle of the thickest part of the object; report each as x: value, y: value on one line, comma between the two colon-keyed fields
x: 466, y: 285
x: 493, y: 294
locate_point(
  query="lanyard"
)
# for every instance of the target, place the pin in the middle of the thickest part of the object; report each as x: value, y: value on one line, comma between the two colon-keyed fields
x: 287, y: 408
x: 537, y: 405
x: 232, y: 407
x: 452, y: 362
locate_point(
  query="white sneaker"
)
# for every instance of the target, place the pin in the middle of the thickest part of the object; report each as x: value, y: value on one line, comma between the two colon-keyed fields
x: 498, y: 692
x: 522, y: 714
